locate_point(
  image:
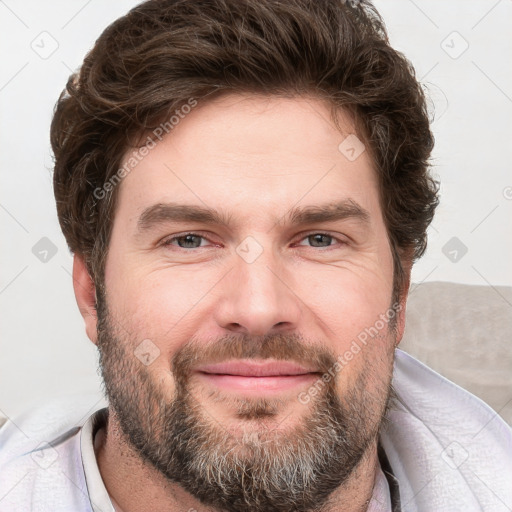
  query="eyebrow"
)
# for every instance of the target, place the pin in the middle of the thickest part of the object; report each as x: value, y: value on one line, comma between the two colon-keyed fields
x: 174, y: 212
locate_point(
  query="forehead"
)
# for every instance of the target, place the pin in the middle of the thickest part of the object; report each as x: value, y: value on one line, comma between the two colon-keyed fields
x: 253, y: 156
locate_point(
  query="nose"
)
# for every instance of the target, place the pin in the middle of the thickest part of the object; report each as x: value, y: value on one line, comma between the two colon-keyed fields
x: 258, y: 298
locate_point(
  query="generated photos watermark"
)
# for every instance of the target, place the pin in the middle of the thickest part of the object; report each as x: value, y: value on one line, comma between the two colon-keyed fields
x: 343, y: 360
x: 137, y: 156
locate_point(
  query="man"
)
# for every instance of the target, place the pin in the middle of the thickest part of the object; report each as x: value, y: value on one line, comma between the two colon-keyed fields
x: 244, y: 185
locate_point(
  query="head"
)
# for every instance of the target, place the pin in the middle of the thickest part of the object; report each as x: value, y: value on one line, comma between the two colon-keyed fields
x: 245, y: 181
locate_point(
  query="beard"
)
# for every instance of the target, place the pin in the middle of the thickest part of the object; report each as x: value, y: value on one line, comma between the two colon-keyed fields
x: 252, y: 464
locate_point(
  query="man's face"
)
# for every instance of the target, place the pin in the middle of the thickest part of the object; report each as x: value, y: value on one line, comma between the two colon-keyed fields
x: 268, y: 284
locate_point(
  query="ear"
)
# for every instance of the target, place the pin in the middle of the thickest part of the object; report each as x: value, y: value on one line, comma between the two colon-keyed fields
x: 85, y: 293
x: 402, y: 306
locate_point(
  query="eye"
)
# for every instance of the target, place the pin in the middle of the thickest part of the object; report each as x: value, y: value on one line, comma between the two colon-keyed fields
x: 185, y: 241
x: 195, y: 241
x: 319, y: 240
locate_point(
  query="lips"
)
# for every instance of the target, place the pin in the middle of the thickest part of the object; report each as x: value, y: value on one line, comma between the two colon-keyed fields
x: 254, y: 378
x: 256, y: 369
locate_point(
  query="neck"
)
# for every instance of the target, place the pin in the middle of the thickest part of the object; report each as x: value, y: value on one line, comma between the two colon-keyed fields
x: 136, y: 486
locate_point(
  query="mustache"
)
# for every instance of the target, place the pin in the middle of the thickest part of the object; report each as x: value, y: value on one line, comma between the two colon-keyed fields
x: 286, y: 347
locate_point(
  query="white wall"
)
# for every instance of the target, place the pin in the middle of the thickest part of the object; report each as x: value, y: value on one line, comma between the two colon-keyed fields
x: 43, y: 349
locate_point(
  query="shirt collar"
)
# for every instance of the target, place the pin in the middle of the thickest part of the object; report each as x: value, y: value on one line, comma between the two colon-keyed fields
x: 98, y: 495
x: 392, y: 482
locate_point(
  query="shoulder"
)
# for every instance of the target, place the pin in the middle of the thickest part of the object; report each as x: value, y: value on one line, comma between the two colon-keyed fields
x: 445, y: 445
x: 40, y: 458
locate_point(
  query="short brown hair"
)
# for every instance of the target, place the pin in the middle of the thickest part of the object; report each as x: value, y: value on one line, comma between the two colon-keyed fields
x: 152, y: 61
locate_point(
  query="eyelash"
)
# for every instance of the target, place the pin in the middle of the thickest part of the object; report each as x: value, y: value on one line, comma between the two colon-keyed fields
x: 167, y: 242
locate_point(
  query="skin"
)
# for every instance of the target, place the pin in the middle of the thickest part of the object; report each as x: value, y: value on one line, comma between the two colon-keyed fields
x: 254, y: 158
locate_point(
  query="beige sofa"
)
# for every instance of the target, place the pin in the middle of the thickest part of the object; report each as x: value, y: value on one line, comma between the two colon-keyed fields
x: 464, y: 332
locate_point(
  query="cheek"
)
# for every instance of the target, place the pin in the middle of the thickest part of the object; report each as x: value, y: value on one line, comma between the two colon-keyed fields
x: 349, y: 300
x: 161, y: 306
x: 353, y: 304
